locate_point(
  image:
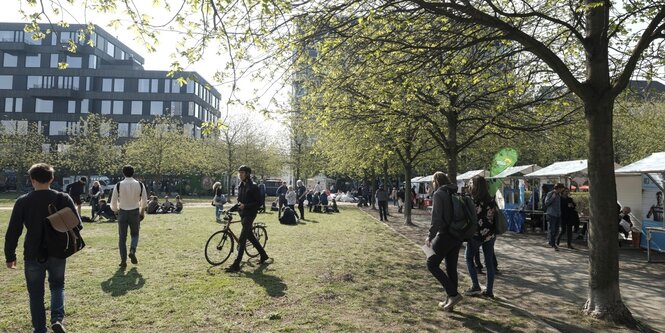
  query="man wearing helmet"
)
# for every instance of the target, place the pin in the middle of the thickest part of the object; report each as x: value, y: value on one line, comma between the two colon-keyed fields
x: 249, y: 201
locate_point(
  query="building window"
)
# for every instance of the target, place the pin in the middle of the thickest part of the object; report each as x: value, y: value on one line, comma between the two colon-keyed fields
x: 54, y: 60
x: 6, y: 36
x: 57, y: 128
x: 34, y: 60
x: 85, y: 106
x: 18, y: 104
x: 156, y: 108
x: 88, y: 82
x: 117, y: 107
x: 137, y: 108
x: 9, y: 60
x: 134, y: 130
x: 110, y: 49
x: 107, y: 84
x: 123, y: 130
x: 92, y: 61
x: 13, y: 104
x: 28, y: 39
x: 176, y: 108
x: 118, y: 85
x: 9, y: 104
x: 144, y: 85
x: 15, y: 126
x: 154, y: 86
x: 6, y: 82
x: 74, y: 62
x: 43, y: 105
x: 71, y: 106
x: 106, y: 107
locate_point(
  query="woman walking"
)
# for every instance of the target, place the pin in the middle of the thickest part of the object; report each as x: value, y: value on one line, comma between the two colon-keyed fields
x: 291, y: 199
x: 445, y: 246
x: 95, y: 192
x: 486, y: 209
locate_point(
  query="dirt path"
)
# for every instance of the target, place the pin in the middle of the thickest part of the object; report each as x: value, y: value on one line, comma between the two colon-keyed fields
x: 552, y: 286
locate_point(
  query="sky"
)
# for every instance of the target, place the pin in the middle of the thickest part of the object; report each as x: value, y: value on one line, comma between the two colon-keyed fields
x: 161, y: 60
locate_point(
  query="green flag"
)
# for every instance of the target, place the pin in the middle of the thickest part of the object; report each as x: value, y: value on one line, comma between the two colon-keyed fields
x: 504, y: 159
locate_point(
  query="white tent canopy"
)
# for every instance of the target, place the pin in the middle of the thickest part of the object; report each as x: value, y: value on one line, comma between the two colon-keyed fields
x: 426, y: 179
x: 560, y: 169
x: 470, y: 174
x: 517, y: 171
x: 415, y: 179
x: 651, y: 164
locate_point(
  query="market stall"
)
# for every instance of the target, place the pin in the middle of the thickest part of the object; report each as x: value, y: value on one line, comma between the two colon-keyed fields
x: 512, y: 191
x: 638, y: 185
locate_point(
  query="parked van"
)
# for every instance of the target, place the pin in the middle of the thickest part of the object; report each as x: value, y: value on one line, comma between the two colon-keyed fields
x: 271, y: 186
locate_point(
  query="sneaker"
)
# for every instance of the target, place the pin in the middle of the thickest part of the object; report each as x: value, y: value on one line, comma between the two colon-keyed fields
x: 486, y: 294
x: 266, y: 260
x: 451, y: 302
x: 58, y: 328
x: 556, y: 248
x: 442, y: 304
x: 123, y: 264
x: 132, y: 257
x: 472, y: 291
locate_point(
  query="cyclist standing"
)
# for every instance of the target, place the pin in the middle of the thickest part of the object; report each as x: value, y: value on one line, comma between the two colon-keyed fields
x: 249, y: 201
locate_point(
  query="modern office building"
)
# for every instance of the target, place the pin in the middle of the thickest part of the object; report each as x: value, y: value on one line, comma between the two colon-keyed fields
x: 104, y: 77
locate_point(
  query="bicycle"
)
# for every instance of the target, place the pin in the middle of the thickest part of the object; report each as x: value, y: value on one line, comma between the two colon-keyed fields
x: 220, y: 245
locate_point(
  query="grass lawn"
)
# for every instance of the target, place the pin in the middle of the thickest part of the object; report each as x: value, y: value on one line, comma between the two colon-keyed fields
x: 334, y: 273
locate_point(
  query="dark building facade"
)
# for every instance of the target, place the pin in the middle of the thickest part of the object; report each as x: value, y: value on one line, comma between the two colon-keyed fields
x: 43, y: 82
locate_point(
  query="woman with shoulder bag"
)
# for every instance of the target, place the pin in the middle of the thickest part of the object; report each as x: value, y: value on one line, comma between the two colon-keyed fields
x: 218, y: 200
x: 486, y: 208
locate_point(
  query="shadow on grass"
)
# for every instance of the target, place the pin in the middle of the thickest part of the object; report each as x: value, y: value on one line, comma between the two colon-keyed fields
x: 273, y: 285
x: 120, y: 283
x: 476, y: 323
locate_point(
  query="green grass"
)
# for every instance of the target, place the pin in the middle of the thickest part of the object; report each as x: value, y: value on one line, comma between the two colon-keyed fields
x: 336, y: 273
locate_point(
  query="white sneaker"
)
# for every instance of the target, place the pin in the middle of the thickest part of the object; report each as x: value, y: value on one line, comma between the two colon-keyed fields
x: 451, y: 302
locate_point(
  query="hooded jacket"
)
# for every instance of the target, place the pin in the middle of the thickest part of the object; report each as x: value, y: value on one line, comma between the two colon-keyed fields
x: 442, y: 210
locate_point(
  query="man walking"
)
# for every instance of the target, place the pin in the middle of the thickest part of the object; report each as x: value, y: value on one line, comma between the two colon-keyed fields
x: 281, y: 198
x: 262, y: 191
x: 381, y: 196
x: 301, y: 191
x: 248, y: 205
x: 31, y: 210
x: 553, y: 210
x: 75, y: 190
x: 129, y: 200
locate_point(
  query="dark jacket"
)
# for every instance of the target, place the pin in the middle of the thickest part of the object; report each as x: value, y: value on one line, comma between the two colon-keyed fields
x: 442, y: 210
x: 568, y: 212
x: 302, y: 191
x: 250, y: 196
x: 30, y: 210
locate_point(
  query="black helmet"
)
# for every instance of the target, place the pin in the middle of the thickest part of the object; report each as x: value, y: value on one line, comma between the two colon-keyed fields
x: 245, y: 168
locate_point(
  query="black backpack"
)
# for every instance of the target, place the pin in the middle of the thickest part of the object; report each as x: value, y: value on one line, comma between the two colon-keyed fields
x: 465, y: 221
x: 288, y: 217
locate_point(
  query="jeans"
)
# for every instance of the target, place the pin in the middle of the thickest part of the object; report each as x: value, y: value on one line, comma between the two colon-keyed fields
x: 35, y: 273
x: 301, y: 209
x: 383, y: 210
x: 446, y: 248
x: 128, y: 218
x: 472, y: 248
x: 553, y: 229
x: 218, y: 212
x: 245, y: 235
x: 94, y: 206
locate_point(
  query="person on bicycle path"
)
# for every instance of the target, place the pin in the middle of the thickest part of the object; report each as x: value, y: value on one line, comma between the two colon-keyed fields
x: 249, y: 200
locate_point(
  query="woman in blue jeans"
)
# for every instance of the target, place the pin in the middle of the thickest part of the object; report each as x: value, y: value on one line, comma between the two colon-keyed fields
x: 486, y: 209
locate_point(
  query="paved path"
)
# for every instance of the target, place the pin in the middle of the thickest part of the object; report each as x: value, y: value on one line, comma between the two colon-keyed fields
x: 553, y: 286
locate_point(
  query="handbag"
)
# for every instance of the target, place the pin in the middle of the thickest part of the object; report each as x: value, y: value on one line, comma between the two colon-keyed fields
x: 500, y: 223
x: 62, y: 235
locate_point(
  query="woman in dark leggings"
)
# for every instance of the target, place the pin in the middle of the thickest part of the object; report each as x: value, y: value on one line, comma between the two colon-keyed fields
x: 445, y: 246
x: 569, y: 217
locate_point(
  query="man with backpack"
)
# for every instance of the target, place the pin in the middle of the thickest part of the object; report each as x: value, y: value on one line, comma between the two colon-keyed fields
x: 129, y: 200
x: 450, y: 226
x: 31, y: 210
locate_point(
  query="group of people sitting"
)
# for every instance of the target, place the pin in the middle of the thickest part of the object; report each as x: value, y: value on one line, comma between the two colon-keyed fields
x: 318, y: 202
x: 154, y: 207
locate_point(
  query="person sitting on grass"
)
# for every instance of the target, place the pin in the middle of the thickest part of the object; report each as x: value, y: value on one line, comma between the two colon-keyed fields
x: 178, y: 204
x: 105, y: 210
x: 153, y: 205
x: 167, y: 206
x: 316, y: 202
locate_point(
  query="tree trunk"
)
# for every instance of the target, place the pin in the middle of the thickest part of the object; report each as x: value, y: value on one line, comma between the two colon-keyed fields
x: 408, y: 174
x: 604, y: 299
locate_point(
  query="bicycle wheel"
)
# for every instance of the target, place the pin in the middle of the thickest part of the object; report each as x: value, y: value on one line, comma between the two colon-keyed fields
x: 219, y: 247
x: 262, y: 236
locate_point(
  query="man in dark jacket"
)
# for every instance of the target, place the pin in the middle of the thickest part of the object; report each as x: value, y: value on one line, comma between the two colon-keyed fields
x: 31, y: 210
x: 281, y: 198
x: 249, y: 200
x: 75, y: 190
x: 444, y: 245
x: 301, y: 191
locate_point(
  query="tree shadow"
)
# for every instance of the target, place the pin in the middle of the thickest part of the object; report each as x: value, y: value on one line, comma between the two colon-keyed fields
x: 120, y: 283
x: 273, y: 285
